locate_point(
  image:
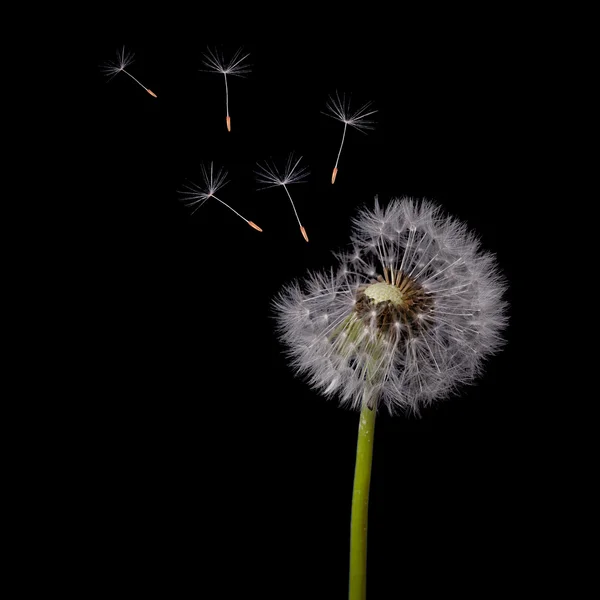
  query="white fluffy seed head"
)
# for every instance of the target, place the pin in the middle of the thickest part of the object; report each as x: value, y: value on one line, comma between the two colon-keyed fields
x: 413, y: 310
x: 124, y: 59
x: 213, y: 180
x: 215, y: 61
x: 270, y: 175
x: 338, y: 108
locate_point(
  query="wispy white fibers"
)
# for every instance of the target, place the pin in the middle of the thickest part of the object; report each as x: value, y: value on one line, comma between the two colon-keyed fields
x: 339, y: 109
x: 124, y: 59
x: 408, y: 315
x: 196, y: 195
x: 271, y: 176
x: 216, y: 62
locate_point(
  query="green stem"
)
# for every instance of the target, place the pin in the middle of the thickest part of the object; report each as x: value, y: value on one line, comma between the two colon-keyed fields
x: 360, y: 504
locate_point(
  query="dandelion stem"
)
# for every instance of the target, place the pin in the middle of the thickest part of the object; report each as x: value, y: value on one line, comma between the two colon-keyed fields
x: 335, y: 169
x: 139, y: 83
x: 360, y: 504
x: 227, y: 119
x: 302, y: 230
x: 238, y: 214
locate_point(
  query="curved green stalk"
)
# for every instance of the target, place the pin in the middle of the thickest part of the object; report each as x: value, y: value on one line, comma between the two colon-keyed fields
x: 360, y: 503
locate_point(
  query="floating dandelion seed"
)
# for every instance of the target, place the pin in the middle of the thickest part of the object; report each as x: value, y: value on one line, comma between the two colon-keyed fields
x: 409, y: 314
x: 195, y: 195
x: 217, y: 63
x: 271, y: 176
x: 124, y: 59
x: 339, y: 109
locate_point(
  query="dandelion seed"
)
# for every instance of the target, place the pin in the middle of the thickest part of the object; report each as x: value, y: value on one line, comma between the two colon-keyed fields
x: 269, y: 175
x: 217, y: 63
x: 339, y: 109
x: 124, y: 59
x: 195, y: 195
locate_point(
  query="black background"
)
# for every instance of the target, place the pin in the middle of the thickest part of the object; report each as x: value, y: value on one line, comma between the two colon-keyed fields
x: 211, y: 464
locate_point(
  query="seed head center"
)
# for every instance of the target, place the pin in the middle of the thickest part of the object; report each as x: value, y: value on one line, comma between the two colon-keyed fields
x: 382, y: 292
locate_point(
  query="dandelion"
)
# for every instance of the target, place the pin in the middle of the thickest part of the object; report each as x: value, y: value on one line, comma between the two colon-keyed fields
x: 410, y: 313
x: 339, y: 109
x: 271, y: 176
x: 195, y: 195
x: 217, y: 63
x: 124, y: 59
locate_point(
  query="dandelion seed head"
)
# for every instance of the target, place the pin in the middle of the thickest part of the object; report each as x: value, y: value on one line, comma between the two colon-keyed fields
x: 338, y: 107
x: 212, y: 181
x: 271, y: 175
x: 124, y: 59
x: 412, y: 313
x: 215, y: 61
